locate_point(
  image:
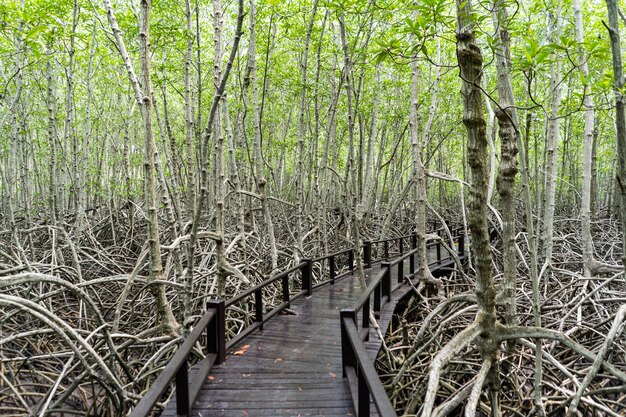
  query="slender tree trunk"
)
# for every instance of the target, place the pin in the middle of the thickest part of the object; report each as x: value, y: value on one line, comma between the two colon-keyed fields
x: 302, y: 139
x: 198, y: 124
x: 51, y: 102
x: 258, y: 149
x: 150, y: 171
x: 620, y: 116
x: 85, y: 143
x: 69, y: 131
x: 169, y: 141
x: 370, y: 179
x: 434, y: 102
x: 585, y: 209
x: 350, y: 184
x: 10, y: 162
x: 189, y: 120
x: 508, y: 117
x: 552, y: 144
x: 491, y: 138
x: 594, y: 176
x: 165, y: 317
x: 222, y: 269
x: 320, y: 209
x: 419, y: 177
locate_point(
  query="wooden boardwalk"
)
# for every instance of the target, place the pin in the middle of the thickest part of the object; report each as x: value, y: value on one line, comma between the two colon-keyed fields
x: 293, y: 367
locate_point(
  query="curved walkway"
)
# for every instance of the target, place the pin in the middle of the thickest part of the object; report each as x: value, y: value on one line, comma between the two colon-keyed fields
x: 293, y: 367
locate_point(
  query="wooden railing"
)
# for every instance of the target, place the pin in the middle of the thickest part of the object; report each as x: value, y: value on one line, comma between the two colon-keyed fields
x: 213, y: 321
x: 357, y: 365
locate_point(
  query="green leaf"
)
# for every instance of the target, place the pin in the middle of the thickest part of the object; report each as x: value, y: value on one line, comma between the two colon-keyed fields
x: 567, y: 42
x: 556, y: 46
x: 542, y: 55
x: 35, y: 31
x: 381, y: 56
x: 583, y: 80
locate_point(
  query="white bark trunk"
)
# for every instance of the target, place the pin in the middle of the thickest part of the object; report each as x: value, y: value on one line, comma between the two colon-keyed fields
x: 552, y: 144
x: 585, y: 205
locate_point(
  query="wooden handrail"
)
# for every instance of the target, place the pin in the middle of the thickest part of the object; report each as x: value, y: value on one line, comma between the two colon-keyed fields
x: 371, y: 287
x: 355, y: 358
x: 213, y: 322
x: 338, y: 253
x: 389, y: 239
x: 357, y: 365
x: 177, y: 367
x: 250, y: 291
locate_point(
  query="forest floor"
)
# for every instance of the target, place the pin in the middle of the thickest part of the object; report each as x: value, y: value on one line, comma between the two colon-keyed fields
x: 78, y: 333
x: 78, y: 329
x: 583, y: 309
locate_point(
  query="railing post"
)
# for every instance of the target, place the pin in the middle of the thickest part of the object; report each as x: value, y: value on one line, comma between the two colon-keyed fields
x: 182, y: 390
x: 412, y: 258
x: 307, y: 276
x: 331, y: 267
x: 365, y: 319
x: 438, y: 248
x: 386, y: 249
x: 258, y: 304
x: 351, y: 260
x: 377, y: 296
x: 216, y: 330
x: 401, y: 246
x: 400, y: 271
x: 286, y: 296
x: 386, y: 281
x: 348, y: 359
x: 367, y: 254
x: 364, y: 396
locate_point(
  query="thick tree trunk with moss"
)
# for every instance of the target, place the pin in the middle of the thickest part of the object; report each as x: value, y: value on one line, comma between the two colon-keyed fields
x: 471, y: 66
x: 509, y: 136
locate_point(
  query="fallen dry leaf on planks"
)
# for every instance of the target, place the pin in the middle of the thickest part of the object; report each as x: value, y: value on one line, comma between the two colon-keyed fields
x: 241, y: 351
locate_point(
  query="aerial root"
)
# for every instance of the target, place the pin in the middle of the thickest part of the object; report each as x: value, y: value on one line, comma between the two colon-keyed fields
x: 474, y: 397
x: 531, y: 332
x: 418, y: 346
x: 456, y: 400
x: 595, y: 368
x: 452, y: 348
x: 582, y: 317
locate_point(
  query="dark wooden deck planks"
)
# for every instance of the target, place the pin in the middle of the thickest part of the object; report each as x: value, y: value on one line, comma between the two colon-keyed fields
x: 293, y: 366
